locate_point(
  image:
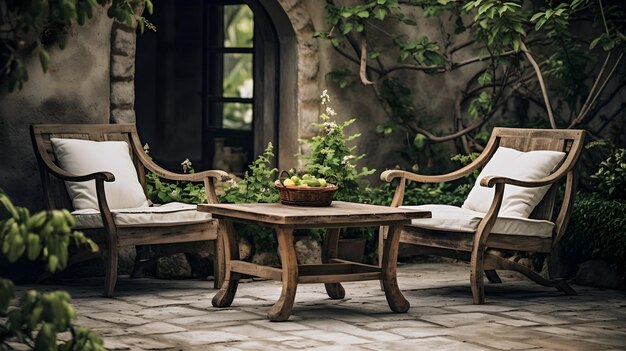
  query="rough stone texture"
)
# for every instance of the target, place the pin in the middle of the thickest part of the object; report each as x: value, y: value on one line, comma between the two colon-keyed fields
x: 173, y: 267
x: 126, y: 259
x: 122, y: 115
x: 122, y: 95
x: 308, y: 251
x: 148, y: 314
x: 75, y: 90
x: 245, y: 249
x: 265, y: 258
x: 123, y: 48
x: 598, y: 273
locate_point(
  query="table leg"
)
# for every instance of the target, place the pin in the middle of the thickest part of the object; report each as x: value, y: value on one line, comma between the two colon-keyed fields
x: 225, y: 296
x: 395, y: 299
x: 282, y: 308
x: 329, y: 251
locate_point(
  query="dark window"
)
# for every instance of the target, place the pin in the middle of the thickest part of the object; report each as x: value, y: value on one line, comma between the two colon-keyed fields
x: 206, y: 83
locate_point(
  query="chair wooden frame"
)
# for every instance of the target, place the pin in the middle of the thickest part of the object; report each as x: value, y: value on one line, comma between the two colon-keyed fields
x: 110, y: 237
x: 473, y: 247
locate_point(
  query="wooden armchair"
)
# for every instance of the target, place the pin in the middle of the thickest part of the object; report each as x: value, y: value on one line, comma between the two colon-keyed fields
x: 454, y: 232
x: 113, y: 228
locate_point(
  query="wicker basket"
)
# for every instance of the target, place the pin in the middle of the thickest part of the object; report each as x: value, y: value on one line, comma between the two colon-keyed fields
x: 302, y: 196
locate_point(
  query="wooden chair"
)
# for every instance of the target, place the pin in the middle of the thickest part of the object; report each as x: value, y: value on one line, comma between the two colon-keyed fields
x: 473, y: 245
x: 107, y: 233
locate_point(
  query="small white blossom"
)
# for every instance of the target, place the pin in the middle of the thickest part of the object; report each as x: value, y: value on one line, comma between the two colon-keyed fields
x: 174, y: 193
x: 232, y: 183
x: 146, y: 148
x: 325, y: 98
x: 330, y: 111
x: 186, y: 165
x: 330, y: 126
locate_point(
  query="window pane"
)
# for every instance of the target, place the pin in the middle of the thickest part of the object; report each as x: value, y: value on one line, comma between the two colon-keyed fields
x: 238, y: 26
x: 238, y: 75
x: 237, y: 116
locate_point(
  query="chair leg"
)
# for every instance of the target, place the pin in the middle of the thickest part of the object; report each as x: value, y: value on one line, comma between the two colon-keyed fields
x: 559, y: 284
x: 219, y: 263
x: 476, y: 278
x: 110, y: 274
x: 493, y: 276
x: 381, y: 245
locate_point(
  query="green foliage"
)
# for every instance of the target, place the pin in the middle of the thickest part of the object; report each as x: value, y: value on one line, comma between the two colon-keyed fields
x: 257, y: 184
x: 40, y: 317
x: 163, y: 192
x: 331, y: 157
x: 597, y: 229
x: 549, y: 32
x: 29, y: 27
x: 611, y: 175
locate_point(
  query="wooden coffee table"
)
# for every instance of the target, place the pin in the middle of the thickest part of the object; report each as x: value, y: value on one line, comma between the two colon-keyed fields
x: 284, y: 219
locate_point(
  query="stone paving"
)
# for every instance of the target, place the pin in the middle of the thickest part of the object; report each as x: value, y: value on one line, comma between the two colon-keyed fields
x: 149, y: 314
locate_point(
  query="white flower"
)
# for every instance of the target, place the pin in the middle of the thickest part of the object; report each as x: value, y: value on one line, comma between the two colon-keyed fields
x: 330, y: 126
x: 232, y: 183
x: 325, y: 98
x: 186, y: 165
x: 146, y: 148
x: 330, y: 111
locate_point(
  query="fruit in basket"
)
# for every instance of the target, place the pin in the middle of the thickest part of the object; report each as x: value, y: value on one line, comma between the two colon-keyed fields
x: 307, y: 181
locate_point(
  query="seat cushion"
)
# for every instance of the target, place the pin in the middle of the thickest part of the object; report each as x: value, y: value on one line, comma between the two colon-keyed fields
x: 82, y: 157
x: 165, y: 215
x: 456, y: 219
x: 517, y: 201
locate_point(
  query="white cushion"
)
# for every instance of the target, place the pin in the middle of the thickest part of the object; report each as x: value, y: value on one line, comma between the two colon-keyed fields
x: 164, y: 215
x: 511, y: 163
x: 452, y: 218
x: 82, y: 157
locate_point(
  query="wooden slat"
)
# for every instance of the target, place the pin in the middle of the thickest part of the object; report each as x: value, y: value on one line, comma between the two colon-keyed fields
x: 338, y: 213
x: 337, y: 278
x: 463, y: 241
x: 256, y: 270
x: 167, y: 234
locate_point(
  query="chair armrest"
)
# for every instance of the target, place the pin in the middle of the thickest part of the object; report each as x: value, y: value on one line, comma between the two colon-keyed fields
x: 190, y: 177
x: 389, y: 175
x: 66, y: 176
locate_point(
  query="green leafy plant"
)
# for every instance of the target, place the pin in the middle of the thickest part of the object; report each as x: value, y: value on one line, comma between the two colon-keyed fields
x: 531, y: 56
x: 256, y: 186
x: 40, y: 317
x: 163, y: 192
x: 31, y: 27
x: 611, y: 175
x: 331, y: 157
x: 597, y: 229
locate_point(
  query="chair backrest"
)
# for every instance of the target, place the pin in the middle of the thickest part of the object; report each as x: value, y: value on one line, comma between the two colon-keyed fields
x: 569, y: 141
x: 55, y: 193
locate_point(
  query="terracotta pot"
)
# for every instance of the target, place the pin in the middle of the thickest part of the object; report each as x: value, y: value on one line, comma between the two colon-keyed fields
x: 352, y: 249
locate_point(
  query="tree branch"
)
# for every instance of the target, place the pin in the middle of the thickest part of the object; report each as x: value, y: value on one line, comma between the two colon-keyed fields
x: 542, y: 83
x: 363, y: 65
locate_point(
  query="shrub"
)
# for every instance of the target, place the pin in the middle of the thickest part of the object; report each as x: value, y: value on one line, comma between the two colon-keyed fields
x: 597, y: 229
x: 163, y: 191
x: 331, y: 157
x: 40, y: 317
x: 611, y: 175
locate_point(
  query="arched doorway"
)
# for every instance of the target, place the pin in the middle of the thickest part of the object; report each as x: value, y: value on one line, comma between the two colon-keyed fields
x: 210, y: 83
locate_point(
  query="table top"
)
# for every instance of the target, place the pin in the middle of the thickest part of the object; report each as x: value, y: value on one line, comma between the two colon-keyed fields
x: 338, y: 213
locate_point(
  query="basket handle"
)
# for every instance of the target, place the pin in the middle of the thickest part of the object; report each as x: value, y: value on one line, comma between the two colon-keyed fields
x: 280, y: 175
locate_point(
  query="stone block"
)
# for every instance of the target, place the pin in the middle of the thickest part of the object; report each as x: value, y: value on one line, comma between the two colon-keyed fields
x: 299, y: 17
x: 123, y: 115
x: 173, y: 267
x: 122, y: 94
x: 308, y: 251
x: 600, y: 274
x: 122, y: 67
x: 123, y: 42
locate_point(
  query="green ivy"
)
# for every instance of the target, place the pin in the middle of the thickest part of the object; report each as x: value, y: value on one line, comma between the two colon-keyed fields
x: 40, y: 317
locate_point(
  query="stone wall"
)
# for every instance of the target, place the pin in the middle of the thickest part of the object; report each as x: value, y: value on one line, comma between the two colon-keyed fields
x: 75, y: 90
x: 123, y: 44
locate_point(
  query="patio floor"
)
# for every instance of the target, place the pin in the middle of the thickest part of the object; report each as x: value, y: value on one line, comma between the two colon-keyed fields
x: 149, y: 314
